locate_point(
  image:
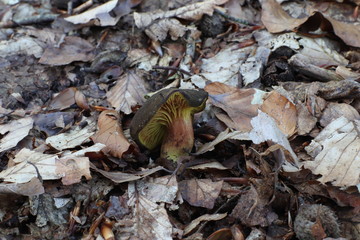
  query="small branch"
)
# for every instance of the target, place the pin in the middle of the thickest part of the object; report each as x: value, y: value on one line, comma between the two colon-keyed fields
x: 234, y: 19
x: 44, y: 18
x: 173, y: 69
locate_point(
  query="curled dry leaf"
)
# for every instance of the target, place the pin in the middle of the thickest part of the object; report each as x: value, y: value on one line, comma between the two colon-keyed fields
x: 72, y: 49
x: 336, y: 153
x: 241, y: 105
x: 111, y: 134
x: 200, y: 192
x: 128, y: 92
x: 159, y: 23
x: 206, y: 217
x: 31, y: 188
x: 277, y: 20
x: 14, y: 132
x: 107, y: 14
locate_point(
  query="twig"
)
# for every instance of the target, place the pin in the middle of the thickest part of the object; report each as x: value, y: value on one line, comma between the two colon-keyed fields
x: 234, y: 19
x: 44, y: 18
x: 173, y: 69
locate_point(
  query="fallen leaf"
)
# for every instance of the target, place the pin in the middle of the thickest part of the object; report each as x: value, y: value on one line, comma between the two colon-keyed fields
x: 150, y: 220
x: 111, y: 134
x: 107, y: 14
x: 32, y: 188
x: 23, y: 45
x: 160, y: 189
x: 276, y: 19
x: 128, y: 92
x: 120, y: 177
x: 63, y: 100
x: 253, y: 206
x: 224, y: 67
x: 200, y: 192
x: 336, y: 153
x: 14, y: 132
x: 49, y: 122
x: 264, y: 128
x: 72, y: 49
x: 70, y: 167
x: 336, y: 110
x: 159, y: 23
x: 71, y: 139
x: 206, y: 217
x: 282, y: 111
x: 240, y: 104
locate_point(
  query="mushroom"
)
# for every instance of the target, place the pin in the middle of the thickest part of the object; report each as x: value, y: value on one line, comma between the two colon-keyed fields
x: 167, y: 119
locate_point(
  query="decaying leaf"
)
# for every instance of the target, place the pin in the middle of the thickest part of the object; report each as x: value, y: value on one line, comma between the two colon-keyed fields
x: 277, y: 20
x: 200, y: 192
x: 128, y: 92
x: 159, y: 23
x: 206, y: 217
x: 71, y: 139
x: 120, y: 177
x: 63, y: 100
x: 14, y: 132
x: 282, y: 111
x: 25, y: 45
x: 111, y: 134
x: 107, y: 14
x: 72, y: 49
x: 32, y: 188
x: 336, y: 153
x: 240, y: 104
x: 150, y: 220
x: 70, y: 167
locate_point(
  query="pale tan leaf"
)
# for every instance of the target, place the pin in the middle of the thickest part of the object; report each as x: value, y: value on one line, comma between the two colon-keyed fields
x: 206, y: 217
x: 128, y: 92
x: 200, y: 192
x: 241, y: 105
x: 120, y: 177
x: 70, y: 167
x: 189, y: 12
x: 276, y: 19
x: 71, y: 139
x: 282, y: 111
x: 161, y: 28
x: 336, y: 153
x: 14, y: 132
x: 32, y: 188
x: 63, y: 100
x: 150, y: 220
x: 72, y: 49
x: 111, y: 134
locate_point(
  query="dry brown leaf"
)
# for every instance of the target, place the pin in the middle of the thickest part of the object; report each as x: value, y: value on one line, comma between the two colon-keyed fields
x: 70, y: 167
x: 128, y: 92
x: 200, y: 192
x: 31, y: 188
x: 336, y: 110
x: 159, y: 23
x: 120, y: 177
x: 150, y: 220
x: 282, y: 111
x: 14, y: 132
x: 336, y: 153
x: 71, y: 139
x: 107, y: 14
x: 206, y: 217
x: 63, y: 100
x: 240, y: 104
x: 111, y: 134
x: 276, y: 19
x: 72, y: 49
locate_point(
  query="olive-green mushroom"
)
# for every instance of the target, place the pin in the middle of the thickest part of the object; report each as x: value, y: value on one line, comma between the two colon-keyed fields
x: 166, y: 118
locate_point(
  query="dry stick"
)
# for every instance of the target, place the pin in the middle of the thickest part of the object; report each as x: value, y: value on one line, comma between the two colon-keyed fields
x: 174, y: 69
x: 234, y: 19
x: 44, y: 18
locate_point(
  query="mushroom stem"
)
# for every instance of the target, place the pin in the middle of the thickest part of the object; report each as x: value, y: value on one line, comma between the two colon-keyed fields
x: 179, y: 139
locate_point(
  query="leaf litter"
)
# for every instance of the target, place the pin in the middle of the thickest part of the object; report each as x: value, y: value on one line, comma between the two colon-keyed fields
x: 276, y: 148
